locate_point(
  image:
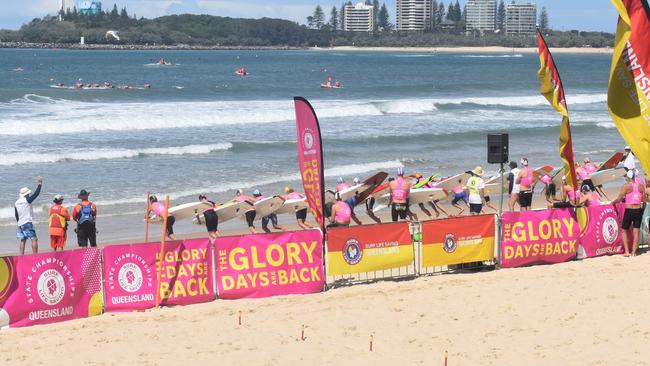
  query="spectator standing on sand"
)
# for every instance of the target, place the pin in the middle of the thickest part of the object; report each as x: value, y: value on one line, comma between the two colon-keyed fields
x: 58, y: 223
x: 85, y: 214
x: 25, y: 215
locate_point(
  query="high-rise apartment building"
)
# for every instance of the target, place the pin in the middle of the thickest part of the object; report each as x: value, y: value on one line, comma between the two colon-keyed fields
x: 359, y: 18
x: 481, y: 15
x: 521, y: 19
x: 413, y: 15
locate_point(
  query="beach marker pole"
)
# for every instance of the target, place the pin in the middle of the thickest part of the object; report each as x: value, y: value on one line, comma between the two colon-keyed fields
x: 371, y: 339
x: 446, y: 355
x: 302, y: 333
x: 146, y: 220
x: 162, y: 250
x: 239, y: 321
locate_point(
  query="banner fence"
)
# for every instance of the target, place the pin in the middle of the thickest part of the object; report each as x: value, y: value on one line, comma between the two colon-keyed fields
x: 58, y: 286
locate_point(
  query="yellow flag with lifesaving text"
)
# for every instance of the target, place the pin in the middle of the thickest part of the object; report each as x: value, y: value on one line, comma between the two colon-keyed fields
x: 552, y: 89
x: 628, y: 97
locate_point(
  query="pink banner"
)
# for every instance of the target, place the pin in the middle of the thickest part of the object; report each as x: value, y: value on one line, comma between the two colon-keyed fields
x: 600, y: 228
x: 130, y: 274
x: 270, y: 264
x: 310, y: 157
x: 50, y: 287
x: 548, y: 236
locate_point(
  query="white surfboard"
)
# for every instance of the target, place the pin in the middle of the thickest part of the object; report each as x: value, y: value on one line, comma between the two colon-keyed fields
x: 291, y: 206
x: 225, y: 212
x: 449, y: 183
x: 267, y: 206
x: 416, y: 196
x: 346, y: 193
x: 184, y: 211
x: 493, y: 189
x: 606, y: 176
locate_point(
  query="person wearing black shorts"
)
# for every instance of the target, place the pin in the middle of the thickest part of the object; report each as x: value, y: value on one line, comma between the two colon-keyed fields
x: 633, y: 194
x: 301, y: 213
x: 250, y: 211
x: 210, y: 217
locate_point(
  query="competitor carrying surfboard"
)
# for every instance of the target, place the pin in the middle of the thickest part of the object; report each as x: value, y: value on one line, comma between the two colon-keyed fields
x: 272, y: 217
x: 158, y: 209
x: 301, y: 214
x: 211, y: 218
x: 399, y: 197
x: 250, y: 212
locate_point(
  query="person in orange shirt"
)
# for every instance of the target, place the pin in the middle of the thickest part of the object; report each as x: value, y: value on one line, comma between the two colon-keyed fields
x: 85, y: 214
x: 59, y: 218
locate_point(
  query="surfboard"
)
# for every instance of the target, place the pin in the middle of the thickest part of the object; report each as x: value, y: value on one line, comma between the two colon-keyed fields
x: 493, y: 189
x: 449, y: 183
x: 542, y: 171
x: 416, y: 196
x: 425, y: 181
x: 184, y: 211
x: 225, y: 212
x: 267, y: 206
x: 645, y: 226
x: 291, y: 206
x: 605, y: 176
x: 364, y: 189
x: 612, y: 162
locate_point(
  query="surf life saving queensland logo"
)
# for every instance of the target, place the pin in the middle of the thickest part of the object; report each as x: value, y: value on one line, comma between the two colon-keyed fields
x: 450, y: 244
x: 308, y: 142
x: 49, y: 282
x: 352, y: 252
x: 130, y: 272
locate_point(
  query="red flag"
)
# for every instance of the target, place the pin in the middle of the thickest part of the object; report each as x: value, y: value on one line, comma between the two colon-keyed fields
x: 551, y: 88
x: 310, y: 158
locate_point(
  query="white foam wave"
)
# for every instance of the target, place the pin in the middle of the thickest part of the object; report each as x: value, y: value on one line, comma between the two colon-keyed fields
x: 516, y: 55
x: 607, y: 125
x: 70, y: 117
x: 102, y: 154
x: 416, y: 55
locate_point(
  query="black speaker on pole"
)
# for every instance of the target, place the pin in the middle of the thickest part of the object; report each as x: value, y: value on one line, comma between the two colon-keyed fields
x: 497, y: 148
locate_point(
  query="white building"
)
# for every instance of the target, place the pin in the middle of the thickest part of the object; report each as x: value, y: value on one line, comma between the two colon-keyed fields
x: 359, y: 18
x: 481, y: 15
x: 413, y: 15
x: 521, y: 19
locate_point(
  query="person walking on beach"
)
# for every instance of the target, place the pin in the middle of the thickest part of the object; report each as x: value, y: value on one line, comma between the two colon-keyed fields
x: 400, y: 189
x: 476, y: 189
x: 341, y: 213
x: 24, y: 216
x: 250, y: 212
x: 513, y: 186
x: 525, y: 181
x: 301, y: 214
x: 273, y: 217
x: 58, y: 223
x: 460, y: 194
x: 633, y: 195
x: 211, y: 218
x: 158, y: 209
x: 85, y: 214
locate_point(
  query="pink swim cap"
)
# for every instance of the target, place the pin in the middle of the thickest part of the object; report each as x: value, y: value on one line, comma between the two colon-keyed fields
x: 545, y: 179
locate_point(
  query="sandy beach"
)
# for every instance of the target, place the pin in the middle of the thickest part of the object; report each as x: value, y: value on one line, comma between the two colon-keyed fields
x: 491, y: 49
x: 590, y: 313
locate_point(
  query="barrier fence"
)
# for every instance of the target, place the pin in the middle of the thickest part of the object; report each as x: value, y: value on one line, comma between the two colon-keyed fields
x: 59, y: 286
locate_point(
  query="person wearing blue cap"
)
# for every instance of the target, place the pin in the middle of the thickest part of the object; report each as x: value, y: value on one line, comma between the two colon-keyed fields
x: 273, y: 217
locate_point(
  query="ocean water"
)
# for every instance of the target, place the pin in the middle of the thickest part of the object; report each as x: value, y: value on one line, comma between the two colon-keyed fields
x: 202, y: 129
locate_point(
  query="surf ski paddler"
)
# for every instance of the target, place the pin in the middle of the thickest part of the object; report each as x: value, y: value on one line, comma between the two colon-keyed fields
x: 250, y: 212
x: 400, y: 188
x: 341, y: 212
x: 633, y: 194
x: 525, y: 181
x: 301, y: 214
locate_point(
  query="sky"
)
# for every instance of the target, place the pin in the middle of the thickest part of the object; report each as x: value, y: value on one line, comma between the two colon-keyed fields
x: 587, y: 15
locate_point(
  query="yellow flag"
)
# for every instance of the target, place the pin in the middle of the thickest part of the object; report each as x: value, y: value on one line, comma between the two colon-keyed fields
x: 629, y: 85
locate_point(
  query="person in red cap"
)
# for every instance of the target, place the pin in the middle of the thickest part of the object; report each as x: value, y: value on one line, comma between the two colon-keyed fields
x: 85, y: 214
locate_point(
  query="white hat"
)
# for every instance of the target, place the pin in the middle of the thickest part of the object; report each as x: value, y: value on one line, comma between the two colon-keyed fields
x: 478, y: 171
x: 24, y: 192
x: 356, y: 180
x: 630, y: 174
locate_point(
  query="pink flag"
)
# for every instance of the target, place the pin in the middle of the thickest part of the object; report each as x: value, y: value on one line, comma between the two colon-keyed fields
x: 310, y: 157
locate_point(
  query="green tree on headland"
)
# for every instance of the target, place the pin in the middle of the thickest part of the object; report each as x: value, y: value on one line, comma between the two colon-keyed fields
x: 334, y: 19
x: 543, y: 20
x: 319, y: 17
x: 501, y: 16
x: 383, y: 19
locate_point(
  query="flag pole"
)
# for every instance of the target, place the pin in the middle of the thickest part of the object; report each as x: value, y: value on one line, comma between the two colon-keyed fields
x: 146, y: 219
x: 162, y: 251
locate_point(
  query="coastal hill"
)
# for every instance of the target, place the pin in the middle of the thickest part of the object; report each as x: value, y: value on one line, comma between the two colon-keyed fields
x: 215, y: 31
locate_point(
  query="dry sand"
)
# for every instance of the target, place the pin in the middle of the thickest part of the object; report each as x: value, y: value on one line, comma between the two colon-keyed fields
x: 491, y: 49
x: 589, y: 312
